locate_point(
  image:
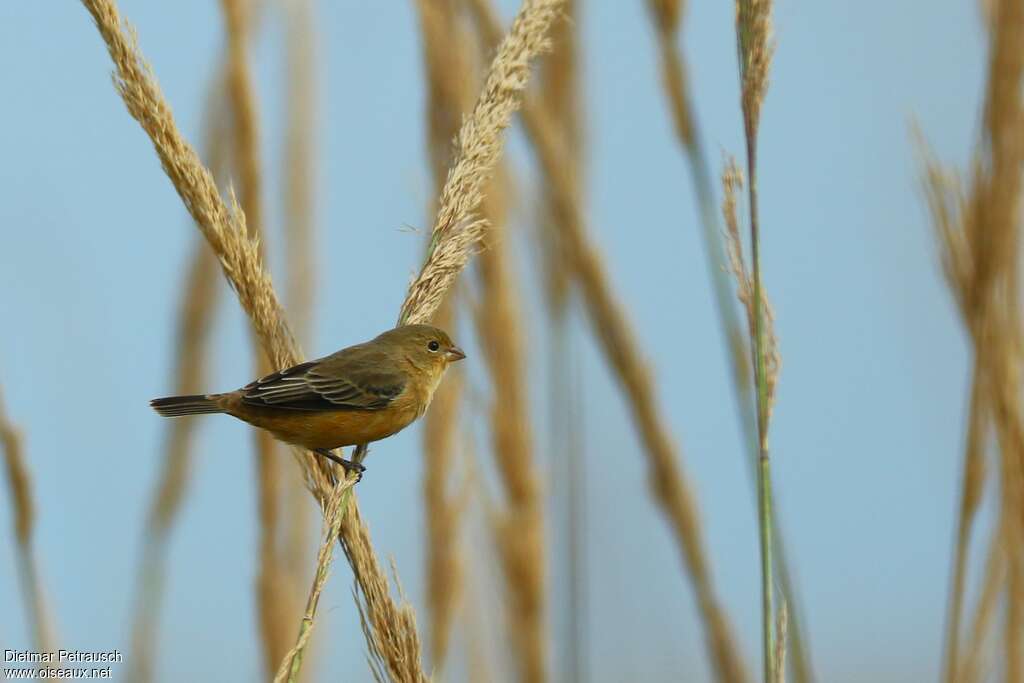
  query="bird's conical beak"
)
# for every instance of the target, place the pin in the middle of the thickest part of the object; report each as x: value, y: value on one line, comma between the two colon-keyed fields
x: 455, y: 353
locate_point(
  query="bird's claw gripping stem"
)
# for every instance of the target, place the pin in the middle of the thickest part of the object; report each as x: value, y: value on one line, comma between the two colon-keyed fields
x: 349, y: 465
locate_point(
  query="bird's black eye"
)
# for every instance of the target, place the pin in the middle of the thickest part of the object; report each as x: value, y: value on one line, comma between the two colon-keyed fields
x: 433, y: 345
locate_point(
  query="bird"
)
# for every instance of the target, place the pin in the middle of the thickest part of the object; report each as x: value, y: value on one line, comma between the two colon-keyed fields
x: 353, y: 397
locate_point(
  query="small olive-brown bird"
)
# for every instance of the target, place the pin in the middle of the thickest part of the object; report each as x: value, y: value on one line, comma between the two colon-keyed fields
x: 353, y: 397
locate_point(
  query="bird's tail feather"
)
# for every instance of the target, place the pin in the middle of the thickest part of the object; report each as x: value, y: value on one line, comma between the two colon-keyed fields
x: 176, y: 406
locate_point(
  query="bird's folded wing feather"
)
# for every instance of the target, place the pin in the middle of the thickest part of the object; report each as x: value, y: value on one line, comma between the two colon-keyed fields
x: 352, y: 379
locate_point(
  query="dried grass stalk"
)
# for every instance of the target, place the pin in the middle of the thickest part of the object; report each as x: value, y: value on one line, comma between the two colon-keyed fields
x: 1009, y: 428
x: 198, y: 304
x: 389, y: 627
x: 333, y: 514
x: 732, y: 184
x: 272, y: 597
x: 458, y: 227
x: 521, y: 523
x: 608, y: 321
x: 978, y: 230
x: 667, y: 16
x: 238, y: 19
x: 669, y: 486
x: 560, y: 93
x: 300, y: 174
x: 239, y: 256
x: 454, y: 235
x: 979, y: 646
x: 23, y: 512
x: 520, y: 533
x: 223, y: 226
x: 453, y: 238
x: 561, y: 98
x: 782, y: 633
x: 1014, y: 616
x: 448, y: 97
x: 300, y: 163
x: 972, y: 490
x: 444, y: 508
x: 200, y: 296
x: 479, y: 658
x: 755, y: 47
x: 671, y: 490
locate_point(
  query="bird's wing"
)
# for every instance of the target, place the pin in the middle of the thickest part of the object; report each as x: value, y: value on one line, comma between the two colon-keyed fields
x: 353, y: 379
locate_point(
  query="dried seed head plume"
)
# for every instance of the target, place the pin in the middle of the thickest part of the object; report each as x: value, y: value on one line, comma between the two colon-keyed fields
x: 667, y: 13
x: 239, y: 17
x: 299, y: 162
x: 667, y: 16
x: 947, y: 199
x: 621, y: 349
x: 457, y: 228
x: 755, y: 48
x: 222, y: 223
x: 23, y: 514
x: 561, y: 96
x: 272, y: 597
x: 521, y: 532
x: 754, y: 53
x: 449, y: 95
x: 977, y: 225
x: 560, y: 90
x: 732, y: 184
x: 226, y: 233
x: 390, y: 629
x: 448, y: 70
x: 455, y: 232
x: 23, y: 505
x: 200, y: 295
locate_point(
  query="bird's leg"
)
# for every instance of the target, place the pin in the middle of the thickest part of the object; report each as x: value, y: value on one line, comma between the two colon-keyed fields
x: 360, y: 454
x: 347, y: 464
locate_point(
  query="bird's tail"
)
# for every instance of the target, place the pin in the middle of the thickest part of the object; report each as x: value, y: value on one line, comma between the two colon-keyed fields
x: 176, y: 406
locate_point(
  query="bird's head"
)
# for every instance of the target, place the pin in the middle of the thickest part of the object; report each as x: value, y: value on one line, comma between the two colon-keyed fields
x: 424, y: 345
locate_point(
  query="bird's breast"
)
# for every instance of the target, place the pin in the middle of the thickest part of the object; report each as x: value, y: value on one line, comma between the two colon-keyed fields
x: 332, y: 428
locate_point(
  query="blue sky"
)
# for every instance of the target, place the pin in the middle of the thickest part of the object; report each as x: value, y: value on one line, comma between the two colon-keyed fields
x: 868, y: 427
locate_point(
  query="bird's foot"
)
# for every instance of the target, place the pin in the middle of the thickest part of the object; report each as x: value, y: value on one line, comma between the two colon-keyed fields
x: 353, y: 467
x: 349, y: 465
